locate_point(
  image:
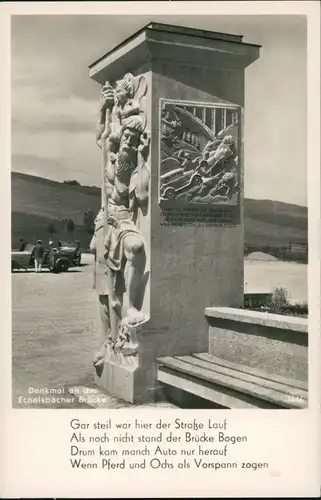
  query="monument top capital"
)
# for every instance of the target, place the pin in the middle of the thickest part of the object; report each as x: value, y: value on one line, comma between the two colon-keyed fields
x: 178, y: 44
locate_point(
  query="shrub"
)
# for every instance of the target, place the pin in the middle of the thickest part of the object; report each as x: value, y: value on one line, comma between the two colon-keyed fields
x: 51, y: 228
x: 279, y: 300
x: 298, y: 309
x: 70, y: 225
x: 72, y: 183
x: 279, y: 304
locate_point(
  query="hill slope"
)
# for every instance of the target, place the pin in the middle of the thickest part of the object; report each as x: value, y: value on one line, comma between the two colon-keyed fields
x: 274, y: 223
x: 43, y: 197
x: 38, y: 202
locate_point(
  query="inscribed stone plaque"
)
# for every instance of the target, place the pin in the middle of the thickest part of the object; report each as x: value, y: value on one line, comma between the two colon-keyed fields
x: 200, y: 172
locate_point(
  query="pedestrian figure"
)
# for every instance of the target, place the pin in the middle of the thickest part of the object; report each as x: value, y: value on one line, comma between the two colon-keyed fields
x: 38, y: 256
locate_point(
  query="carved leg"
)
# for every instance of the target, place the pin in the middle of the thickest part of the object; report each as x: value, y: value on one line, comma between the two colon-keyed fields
x: 115, y: 304
x: 104, y: 319
x: 136, y: 261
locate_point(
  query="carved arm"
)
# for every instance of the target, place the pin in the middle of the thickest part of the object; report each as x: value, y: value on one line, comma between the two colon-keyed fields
x: 103, y: 125
x: 143, y: 174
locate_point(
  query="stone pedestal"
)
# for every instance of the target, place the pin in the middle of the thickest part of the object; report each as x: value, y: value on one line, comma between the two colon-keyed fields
x: 193, y: 225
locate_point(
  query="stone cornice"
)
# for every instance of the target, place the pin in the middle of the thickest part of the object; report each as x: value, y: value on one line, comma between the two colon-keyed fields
x: 180, y: 45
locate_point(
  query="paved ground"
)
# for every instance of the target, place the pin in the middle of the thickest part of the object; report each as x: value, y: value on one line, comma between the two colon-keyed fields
x: 54, y: 334
x: 53, y: 329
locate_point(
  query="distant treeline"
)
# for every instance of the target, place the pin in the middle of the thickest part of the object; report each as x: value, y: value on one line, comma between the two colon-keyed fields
x: 288, y: 253
x: 72, y: 183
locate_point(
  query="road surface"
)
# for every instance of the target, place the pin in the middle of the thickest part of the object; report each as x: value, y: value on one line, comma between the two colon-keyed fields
x: 54, y: 335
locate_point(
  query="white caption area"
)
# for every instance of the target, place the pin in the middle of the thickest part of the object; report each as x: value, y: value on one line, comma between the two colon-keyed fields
x: 112, y: 453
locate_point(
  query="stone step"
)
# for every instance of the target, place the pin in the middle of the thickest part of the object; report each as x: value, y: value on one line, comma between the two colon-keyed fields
x: 230, y: 385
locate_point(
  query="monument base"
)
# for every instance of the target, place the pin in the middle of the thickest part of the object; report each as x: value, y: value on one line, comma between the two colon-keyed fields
x: 122, y: 376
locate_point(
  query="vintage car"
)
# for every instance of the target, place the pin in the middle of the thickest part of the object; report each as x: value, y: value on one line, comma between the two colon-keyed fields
x: 54, y: 259
x: 178, y: 181
x: 72, y: 250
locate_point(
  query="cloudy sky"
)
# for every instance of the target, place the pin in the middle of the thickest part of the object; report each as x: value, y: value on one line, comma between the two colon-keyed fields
x: 54, y: 102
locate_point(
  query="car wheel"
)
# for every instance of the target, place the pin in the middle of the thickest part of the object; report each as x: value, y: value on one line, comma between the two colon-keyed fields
x: 64, y: 267
x: 169, y: 193
x: 61, y: 267
x: 197, y: 180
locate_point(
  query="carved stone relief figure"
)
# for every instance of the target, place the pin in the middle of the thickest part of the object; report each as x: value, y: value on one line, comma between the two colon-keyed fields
x: 125, y: 147
x: 198, y: 165
x: 101, y: 286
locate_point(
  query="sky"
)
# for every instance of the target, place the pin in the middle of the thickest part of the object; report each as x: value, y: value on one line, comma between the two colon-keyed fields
x: 55, y: 103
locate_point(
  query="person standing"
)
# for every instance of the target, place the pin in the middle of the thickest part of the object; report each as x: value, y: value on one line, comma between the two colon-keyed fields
x: 38, y: 255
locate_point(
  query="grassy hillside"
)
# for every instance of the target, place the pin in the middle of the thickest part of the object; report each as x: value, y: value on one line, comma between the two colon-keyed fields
x: 46, y: 198
x: 38, y: 202
x: 274, y: 223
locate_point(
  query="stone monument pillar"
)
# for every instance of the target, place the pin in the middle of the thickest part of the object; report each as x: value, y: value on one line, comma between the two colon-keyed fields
x: 170, y: 132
